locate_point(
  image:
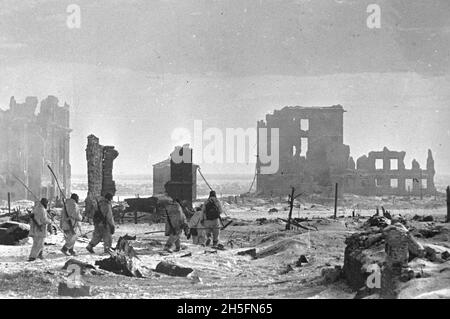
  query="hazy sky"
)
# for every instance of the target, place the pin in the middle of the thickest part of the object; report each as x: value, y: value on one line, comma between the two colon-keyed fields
x: 138, y: 69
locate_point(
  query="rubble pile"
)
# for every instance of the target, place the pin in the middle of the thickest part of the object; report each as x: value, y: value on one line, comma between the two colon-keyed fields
x: 362, y: 250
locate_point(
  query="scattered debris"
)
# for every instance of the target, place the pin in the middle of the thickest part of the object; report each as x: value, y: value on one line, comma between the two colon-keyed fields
x: 250, y: 252
x: 122, y: 261
x: 378, y: 221
x: 11, y: 233
x: 301, y: 260
x: 172, y: 269
x: 428, y: 218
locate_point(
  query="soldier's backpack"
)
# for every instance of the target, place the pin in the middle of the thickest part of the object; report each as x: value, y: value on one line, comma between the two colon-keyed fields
x: 211, y: 210
x: 98, y: 215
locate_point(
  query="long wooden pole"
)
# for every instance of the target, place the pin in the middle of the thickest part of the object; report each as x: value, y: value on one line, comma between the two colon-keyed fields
x: 9, y: 202
x: 335, y: 200
x: 291, y: 206
x: 448, y: 204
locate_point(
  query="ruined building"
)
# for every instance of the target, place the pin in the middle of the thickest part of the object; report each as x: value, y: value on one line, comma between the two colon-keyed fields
x: 33, y: 137
x: 312, y: 154
x: 176, y: 176
x: 99, y: 166
x: 384, y: 173
x: 313, y: 158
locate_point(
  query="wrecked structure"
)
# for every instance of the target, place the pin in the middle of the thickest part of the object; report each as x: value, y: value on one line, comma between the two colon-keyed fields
x: 313, y: 158
x: 384, y: 173
x: 312, y: 153
x: 176, y: 176
x: 32, y: 138
x: 99, y: 166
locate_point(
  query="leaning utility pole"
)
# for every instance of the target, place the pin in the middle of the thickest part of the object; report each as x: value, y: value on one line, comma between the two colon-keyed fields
x: 291, y: 206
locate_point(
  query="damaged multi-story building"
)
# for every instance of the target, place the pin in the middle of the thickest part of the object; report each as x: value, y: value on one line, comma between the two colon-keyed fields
x: 313, y: 159
x: 33, y: 137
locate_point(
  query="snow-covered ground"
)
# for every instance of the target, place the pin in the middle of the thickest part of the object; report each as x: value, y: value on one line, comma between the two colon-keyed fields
x: 223, y: 274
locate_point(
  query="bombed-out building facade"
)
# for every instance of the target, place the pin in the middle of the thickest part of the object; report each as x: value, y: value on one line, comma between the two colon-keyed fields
x: 32, y: 137
x: 313, y: 158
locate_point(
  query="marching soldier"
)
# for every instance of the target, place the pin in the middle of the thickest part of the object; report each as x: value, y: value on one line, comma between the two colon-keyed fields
x: 212, y: 209
x: 196, y: 228
x: 104, y: 226
x: 69, y: 222
x: 175, y: 223
x: 38, y: 229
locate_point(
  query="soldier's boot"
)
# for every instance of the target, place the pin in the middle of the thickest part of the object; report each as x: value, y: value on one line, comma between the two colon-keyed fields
x: 167, y: 248
x: 208, y: 241
x: 31, y: 259
x: 41, y: 256
x: 64, y: 250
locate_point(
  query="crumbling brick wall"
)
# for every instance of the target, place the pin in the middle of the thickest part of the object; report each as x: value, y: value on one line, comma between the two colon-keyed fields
x: 108, y: 184
x: 100, y: 166
x: 32, y: 138
x: 94, y: 158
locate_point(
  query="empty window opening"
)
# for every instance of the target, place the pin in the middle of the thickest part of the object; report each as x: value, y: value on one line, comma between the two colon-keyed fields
x: 303, y: 146
x: 379, y: 163
x: 304, y: 124
x: 424, y: 183
x: 378, y: 182
x: 394, y: 183
x: 409, y: 184
x: 394, y: 164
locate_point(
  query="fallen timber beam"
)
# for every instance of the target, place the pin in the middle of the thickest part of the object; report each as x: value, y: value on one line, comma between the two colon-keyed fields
x: 297, y: 224
x: 162, y: 231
